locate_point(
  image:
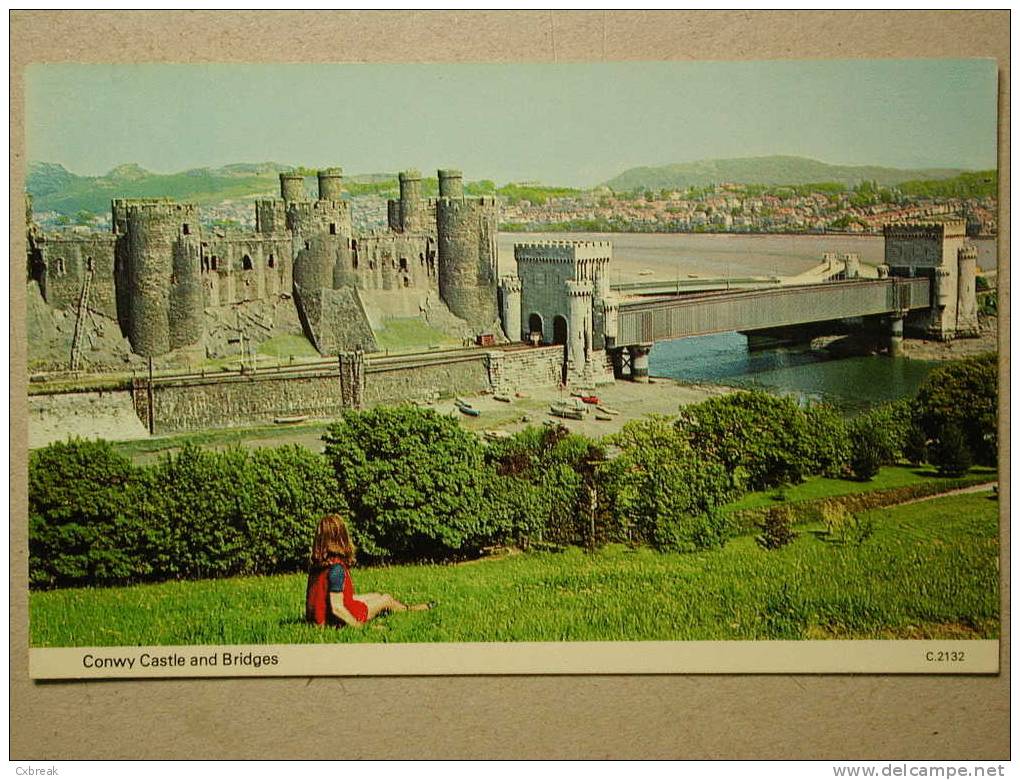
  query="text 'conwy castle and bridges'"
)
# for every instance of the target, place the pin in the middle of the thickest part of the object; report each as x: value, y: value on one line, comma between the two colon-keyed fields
x: 166, y: 287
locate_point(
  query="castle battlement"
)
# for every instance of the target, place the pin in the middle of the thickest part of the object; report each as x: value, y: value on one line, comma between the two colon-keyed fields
x: 934, y: 229
x: 563, y: 251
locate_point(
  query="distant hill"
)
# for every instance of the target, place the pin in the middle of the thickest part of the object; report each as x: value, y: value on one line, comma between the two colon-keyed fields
x: 54, y: 188
x: 766, y: 170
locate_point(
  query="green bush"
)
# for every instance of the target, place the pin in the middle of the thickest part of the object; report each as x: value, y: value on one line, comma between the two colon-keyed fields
x: 666, y: 490
x: 828, y: 440
x: 777, y: 528
x: 219, y: 513
x: 97, y: 520
x: 562, y: 470
x: 964, y: 394
x: 869, y: 452
x: 412, y: 478
x: 82, y: 514
x: 950, y: 454
x: 762, y: 435
x: 888, y: 428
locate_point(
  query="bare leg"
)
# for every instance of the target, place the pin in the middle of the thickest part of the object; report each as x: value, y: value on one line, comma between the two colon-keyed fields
x: 384, y: 602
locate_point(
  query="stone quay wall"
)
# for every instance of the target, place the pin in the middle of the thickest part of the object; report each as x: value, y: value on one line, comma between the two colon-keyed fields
x: 317, y: 392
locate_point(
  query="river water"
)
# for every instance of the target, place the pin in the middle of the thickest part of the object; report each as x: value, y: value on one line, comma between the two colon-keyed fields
x: 852, y: 384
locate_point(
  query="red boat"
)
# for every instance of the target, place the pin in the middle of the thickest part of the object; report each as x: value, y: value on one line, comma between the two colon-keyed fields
x: 591, y: 399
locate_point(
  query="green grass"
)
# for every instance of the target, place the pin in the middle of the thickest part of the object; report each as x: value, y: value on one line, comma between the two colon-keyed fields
x: 286, y: 345
x: 930, y: 570
x: 278, y: 435
x: 406, y: 333
x: 822, y: 487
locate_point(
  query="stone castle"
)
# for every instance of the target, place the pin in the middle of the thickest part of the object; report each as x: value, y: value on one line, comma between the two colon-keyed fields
x: 159, y: 275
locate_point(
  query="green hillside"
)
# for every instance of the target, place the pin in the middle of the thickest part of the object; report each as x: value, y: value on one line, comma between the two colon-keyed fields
x: 53, y: 188
x: 766, y: 170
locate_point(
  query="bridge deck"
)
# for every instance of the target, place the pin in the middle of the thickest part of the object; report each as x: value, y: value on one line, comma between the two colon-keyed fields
x: 647, y: 320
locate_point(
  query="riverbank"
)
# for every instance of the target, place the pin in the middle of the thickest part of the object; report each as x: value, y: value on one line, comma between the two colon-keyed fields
x: 957, y: 349
x: 111, y: 416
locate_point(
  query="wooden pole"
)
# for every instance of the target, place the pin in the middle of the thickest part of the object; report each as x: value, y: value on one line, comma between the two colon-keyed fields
x: 152, y: 421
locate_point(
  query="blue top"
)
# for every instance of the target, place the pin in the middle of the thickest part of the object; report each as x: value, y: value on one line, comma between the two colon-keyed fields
x: 336, y: 578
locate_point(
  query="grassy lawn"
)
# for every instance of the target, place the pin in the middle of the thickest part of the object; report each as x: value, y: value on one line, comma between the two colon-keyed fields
x: 406, y: 334
x: 821, y: 487
x: 930, y: 570
x: 286, y: 345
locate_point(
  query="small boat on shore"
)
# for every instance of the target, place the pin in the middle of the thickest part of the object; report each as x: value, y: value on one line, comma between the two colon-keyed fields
x: 608, y: 410
x: 603, y: 417
x: 300, y: 418
x: 501, y: 397
x: 572, y: 409
x: 470, y: 411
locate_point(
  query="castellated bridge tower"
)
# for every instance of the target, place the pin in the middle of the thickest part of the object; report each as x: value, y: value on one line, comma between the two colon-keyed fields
x: 162, y: 270
x: 468, y: 230
x: 939, y: 251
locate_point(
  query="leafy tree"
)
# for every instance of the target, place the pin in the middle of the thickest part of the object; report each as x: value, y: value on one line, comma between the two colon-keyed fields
x: 563, y: 472
x: 964, y: 394
x: 889, y: 426
x: 868, y: 453
x: 827, y: 440
x: 412, y: 478
x: 665, y: 489
x: 950, y: 454
x: 763, y: 435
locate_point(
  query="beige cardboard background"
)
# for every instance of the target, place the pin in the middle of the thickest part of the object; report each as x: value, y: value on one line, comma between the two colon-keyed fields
x: 554, y: 716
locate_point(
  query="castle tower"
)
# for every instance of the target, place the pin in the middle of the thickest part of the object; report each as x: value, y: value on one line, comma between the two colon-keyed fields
x: 966, y: 292
x: 510, y: 307
x: 331, y: 184
x: 468, y: 229
x: 451, y: 184
x: 579, y: 324
x: 292, y: 187
x: 162, y: 272
x: 930, y: 249
x: 410, y: 202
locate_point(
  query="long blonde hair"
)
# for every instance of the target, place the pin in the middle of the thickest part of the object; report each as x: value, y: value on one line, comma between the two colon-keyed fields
x: 332, y: 540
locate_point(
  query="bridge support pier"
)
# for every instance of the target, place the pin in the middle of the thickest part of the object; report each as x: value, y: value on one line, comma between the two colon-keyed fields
x: 639, y: 361
x: 896, y: 335
x: 618, y: 359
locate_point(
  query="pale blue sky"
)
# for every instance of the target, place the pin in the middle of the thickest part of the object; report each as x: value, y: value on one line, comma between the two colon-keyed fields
x: 576, y: 124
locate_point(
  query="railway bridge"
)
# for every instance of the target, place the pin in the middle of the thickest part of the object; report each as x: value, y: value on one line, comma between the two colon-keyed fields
x: 561, y: 295
x: 642, y: 322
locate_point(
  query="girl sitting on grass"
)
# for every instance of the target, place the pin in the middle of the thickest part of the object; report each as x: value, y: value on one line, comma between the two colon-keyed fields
x: 329, y: 598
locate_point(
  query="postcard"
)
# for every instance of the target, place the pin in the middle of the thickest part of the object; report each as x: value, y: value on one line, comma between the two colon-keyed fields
x: 520, y: 368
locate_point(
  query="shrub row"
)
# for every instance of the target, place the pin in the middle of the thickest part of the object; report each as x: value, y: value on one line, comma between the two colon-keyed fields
x: 744, y: 521
x: 96, y: 519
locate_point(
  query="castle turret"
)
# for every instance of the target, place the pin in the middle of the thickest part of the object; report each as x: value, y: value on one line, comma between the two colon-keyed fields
x: 510, y: 307
x: 410, y: 202
x: 579, y: 345
x: 451, y: 183
x: 966, y: 302
x: 331, y: 184
x: 292, y: 187
x: 163, y: 276
x: 468, y: 229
